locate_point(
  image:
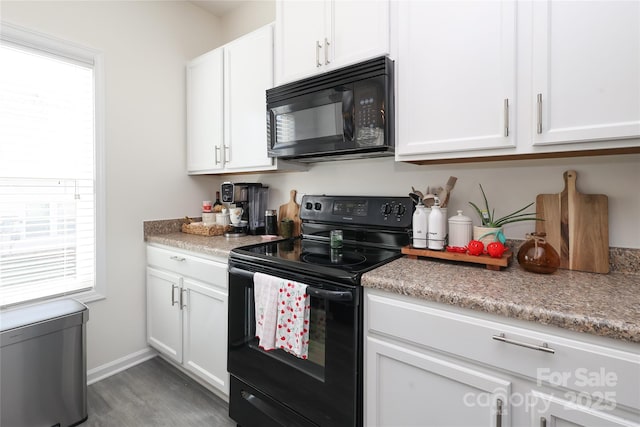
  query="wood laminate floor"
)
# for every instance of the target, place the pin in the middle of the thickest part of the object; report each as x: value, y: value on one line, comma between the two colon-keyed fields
x: 153, y: 393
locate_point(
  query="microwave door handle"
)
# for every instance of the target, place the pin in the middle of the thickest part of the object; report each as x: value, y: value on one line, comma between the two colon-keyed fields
x: 348, y: 115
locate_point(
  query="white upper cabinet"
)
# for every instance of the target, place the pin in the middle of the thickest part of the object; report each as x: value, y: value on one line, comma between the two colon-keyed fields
x: 586, y: 70
x: 248, y: 73
x: 456, y: 76
x: 515, y: 78
x: 204, y: 113
x: 317, y: 36
x: 226, y: 107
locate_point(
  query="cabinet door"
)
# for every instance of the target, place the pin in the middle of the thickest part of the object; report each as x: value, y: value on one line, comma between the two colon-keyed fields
x: 164, y: 315
x: 359, y: 31
x: 586, y: 63
x: 456, y: 79
x: 205, y: 113
x: 300, y: 32
x: 205, y: 333
x: 580, y: 410
x: 248, y: 73
x: 404, y: 387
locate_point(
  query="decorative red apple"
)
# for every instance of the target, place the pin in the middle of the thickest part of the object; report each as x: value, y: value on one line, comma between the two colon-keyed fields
x: 475, y: 247
x: 496, y: 249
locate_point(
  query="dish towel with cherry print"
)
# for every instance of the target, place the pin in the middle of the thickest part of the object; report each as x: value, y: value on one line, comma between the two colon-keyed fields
x: 292, y: 332
x: 265, y: 288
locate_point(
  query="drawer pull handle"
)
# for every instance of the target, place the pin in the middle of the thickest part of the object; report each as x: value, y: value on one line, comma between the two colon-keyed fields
x: 544, y: 347
x: 178, y: 258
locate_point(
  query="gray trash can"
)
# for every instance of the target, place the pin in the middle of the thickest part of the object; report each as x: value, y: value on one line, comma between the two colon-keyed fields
x: 43, y: 373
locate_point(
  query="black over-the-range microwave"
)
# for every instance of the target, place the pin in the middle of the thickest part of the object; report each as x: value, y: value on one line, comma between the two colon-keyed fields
x: 342, y: 114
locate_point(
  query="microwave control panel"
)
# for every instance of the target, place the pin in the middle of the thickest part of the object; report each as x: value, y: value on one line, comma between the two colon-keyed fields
x: 369, y: 113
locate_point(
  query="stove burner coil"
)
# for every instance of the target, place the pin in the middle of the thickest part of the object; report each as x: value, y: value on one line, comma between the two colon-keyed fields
x: 336, y: 257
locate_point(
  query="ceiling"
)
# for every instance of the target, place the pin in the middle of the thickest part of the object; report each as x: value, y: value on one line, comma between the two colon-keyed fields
x: 219, y: 7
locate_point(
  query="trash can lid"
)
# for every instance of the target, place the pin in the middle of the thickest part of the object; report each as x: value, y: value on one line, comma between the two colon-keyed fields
x: 17, y: 317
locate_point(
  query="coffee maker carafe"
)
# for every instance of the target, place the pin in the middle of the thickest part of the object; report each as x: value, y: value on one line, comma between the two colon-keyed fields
x: 253, y: 198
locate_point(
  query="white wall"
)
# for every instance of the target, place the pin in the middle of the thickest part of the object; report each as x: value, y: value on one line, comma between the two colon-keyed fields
x: 248, y: 17
x: 509, y: 185
x: 145, y: 45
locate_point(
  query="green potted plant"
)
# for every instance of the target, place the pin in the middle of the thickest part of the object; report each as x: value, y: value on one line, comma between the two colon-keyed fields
x: 491, y: 228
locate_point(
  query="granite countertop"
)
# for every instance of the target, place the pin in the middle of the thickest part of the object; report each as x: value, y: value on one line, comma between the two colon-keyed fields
x: 167, y: 232
x: 218, y: 246
x: 601, y: 304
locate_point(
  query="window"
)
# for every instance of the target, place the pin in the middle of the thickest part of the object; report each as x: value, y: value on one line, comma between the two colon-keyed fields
x: 51, y: 186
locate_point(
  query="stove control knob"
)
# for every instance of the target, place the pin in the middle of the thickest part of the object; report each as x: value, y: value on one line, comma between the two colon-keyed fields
x: 400, y: 210
x: 386, y: 209
x: 317, y: 206
x: 308, y: 205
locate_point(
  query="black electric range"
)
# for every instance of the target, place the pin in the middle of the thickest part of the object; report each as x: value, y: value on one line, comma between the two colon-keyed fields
x: 275, y: 388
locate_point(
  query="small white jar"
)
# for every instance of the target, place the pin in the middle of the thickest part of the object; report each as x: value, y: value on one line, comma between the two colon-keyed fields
x: 460, y: 230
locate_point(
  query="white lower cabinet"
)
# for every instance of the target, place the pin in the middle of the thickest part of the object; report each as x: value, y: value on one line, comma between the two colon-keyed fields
x: 406, y: 387
x: 187, y: 312
x: 429, y: 364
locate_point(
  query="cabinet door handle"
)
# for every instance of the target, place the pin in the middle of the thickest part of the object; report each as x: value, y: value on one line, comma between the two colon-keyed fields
x: 539, y: 113
x: 182, y: 304
x: 326, y: 51
x: 543, y: 422
x: 216, y: 151
x: 177, y: 258
x: 173, y: 300
x: 499, y: 413
x: 227, y: 154
x: 544, y: 347
x: 506, y: 117
x: 318, y: 47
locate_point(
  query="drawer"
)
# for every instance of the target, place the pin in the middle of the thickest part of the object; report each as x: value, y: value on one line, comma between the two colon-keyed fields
x: 184, y: 264
x: 573, y: 365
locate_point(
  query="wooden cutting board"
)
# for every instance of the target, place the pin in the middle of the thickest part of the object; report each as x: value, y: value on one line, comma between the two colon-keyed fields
x: 291, y: 210
x: 577, y: 226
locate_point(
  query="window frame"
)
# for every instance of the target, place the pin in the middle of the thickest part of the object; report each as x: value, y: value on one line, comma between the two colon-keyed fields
x: 73, y: 52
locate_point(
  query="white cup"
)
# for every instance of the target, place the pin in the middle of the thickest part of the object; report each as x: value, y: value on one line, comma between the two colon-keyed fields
x: 235, y: 215
x: 222, y: 218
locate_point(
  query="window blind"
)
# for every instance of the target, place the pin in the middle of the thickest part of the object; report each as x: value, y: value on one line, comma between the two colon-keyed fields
x: 47, y: 174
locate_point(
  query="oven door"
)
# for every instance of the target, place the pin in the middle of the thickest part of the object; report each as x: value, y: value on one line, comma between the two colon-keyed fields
x: 277, y: 388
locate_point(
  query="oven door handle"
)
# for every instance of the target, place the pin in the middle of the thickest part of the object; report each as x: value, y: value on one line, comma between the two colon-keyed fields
x: 330, y: 295
x: 342, y: 296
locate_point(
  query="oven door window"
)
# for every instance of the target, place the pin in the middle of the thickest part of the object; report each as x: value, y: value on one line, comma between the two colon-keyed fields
x: 314, y: 123
x: 314, y: 364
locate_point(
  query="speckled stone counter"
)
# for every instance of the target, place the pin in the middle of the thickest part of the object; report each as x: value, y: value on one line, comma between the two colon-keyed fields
x: 601, y: 304
x: 167, y: 232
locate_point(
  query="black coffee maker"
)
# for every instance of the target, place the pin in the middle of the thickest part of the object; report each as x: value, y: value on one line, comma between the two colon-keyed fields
x: 253, y: 198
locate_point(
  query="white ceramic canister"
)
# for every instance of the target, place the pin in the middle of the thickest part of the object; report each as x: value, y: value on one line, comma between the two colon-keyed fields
x: 420, y: 222
x: 460, y: 230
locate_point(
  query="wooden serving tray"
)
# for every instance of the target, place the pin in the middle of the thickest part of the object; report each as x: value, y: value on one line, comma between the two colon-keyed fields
x: 491, y: 263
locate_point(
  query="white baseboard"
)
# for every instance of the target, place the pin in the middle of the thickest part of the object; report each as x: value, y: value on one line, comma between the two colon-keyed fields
x: 119, y: 365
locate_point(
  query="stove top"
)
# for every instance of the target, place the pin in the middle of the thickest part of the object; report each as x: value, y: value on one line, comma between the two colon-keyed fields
x: 317, y: 258
x: 374, y: 229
